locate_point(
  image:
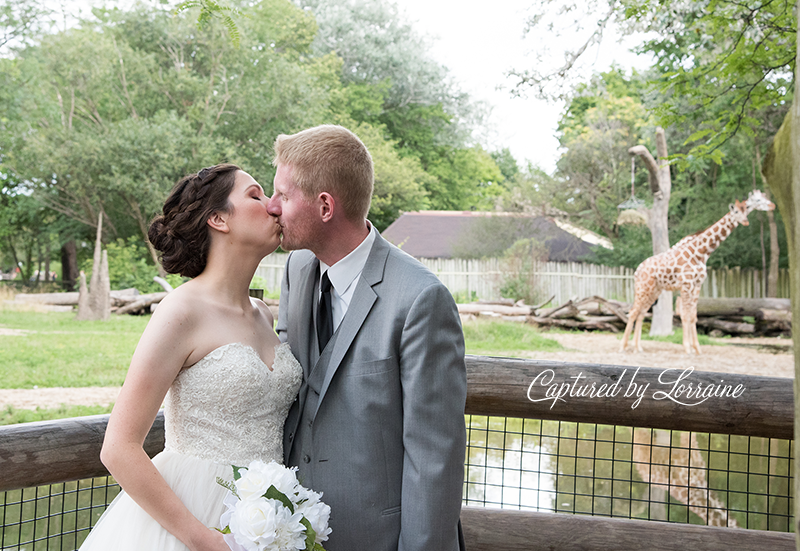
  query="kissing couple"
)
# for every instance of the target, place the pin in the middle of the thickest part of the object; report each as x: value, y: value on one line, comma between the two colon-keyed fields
x: 361, y: 385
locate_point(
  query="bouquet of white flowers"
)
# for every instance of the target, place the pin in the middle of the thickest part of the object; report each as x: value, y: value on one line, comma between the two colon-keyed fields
x: 268, y: 510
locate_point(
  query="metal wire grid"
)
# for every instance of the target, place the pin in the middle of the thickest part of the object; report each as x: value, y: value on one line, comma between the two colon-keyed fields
x: 525, y: 464
x: 54, y: 517
x: 623, y: 472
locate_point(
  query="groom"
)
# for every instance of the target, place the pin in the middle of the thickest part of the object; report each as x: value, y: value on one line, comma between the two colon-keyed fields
x: 378, y: 426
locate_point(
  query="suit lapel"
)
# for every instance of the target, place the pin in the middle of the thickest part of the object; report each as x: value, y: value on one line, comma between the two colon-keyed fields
x: 361, y: 305
x: 306, y: 347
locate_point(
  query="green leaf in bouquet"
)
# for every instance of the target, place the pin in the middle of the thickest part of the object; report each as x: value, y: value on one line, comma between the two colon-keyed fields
x: 274, y: 493
x: 311, y: 535
x: 226, y: 530
x: 236, y: 474
x: 230, y: 486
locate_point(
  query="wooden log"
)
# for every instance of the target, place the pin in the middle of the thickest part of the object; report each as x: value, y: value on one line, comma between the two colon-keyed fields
x: 739, y: 306
x: 144, y: 301
x: 771, y: 327
x: 496, y: 309
x: 731, y: 327
x: 502, y: 386
x: 121, y: 296
x: 499, y: 301
x: 33, y: 454
x: 492, y: 529
x: 603, y: 324
x: 768, y: 314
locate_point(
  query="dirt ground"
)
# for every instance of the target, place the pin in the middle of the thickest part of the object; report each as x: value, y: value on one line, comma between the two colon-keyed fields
x: 769, y: 357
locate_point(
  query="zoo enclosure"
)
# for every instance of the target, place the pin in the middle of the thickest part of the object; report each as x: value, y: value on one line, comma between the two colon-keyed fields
x: 58, y: 453
x: 563, y: 280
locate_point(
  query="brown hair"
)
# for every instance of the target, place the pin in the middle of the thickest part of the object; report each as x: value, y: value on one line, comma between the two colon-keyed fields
x: 329, y: 158
x: 180, y: 233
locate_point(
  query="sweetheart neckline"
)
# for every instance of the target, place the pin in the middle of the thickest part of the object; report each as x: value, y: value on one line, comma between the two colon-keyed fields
x: 246, y: 347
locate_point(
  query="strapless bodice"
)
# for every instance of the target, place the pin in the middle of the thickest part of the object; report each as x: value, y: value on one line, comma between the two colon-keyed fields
x: 230, y: 408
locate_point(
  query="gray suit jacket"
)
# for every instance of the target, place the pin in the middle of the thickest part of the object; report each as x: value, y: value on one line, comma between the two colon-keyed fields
x: 380, y: 430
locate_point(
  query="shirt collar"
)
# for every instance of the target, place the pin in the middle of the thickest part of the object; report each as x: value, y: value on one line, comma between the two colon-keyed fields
x: 343, y: 273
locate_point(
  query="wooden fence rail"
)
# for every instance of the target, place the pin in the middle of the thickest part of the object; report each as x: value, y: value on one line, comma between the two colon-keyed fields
x: 58, y: 451
x: 562, y: 280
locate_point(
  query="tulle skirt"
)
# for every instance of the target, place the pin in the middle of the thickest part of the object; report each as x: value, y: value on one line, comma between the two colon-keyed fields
x: 125, y: 526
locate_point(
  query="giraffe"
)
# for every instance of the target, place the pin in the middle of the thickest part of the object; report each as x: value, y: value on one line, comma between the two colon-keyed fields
x: 680, y: 471
x: 683, y: 268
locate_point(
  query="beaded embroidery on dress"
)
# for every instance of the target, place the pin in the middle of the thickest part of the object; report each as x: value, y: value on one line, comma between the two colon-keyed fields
x: 228, y: 408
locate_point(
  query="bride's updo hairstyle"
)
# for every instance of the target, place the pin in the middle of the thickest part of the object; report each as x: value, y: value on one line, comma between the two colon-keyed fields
x: 180, y: 233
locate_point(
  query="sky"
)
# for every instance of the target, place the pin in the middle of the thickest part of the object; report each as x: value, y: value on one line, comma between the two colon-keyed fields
x: 480, y: 41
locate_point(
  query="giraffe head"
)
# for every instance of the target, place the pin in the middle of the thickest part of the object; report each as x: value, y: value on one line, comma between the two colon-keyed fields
x: 739, y: 212
x: 758, y: 201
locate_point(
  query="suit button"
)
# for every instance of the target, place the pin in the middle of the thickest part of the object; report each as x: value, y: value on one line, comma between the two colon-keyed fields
x: 291, y: 436
x: 306, y: 459
x: 310, y: 422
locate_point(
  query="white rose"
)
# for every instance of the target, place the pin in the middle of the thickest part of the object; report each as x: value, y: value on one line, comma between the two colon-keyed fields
x: 317, y: 513
x: 291, y: 534
x: 254, y: 523
x: 259, y: 476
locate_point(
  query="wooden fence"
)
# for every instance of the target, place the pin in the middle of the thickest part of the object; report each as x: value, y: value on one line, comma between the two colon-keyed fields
x: 57, y: 451
x: 482, y: 279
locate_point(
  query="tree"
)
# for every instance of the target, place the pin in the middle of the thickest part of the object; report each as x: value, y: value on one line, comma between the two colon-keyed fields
x: 661, y: 186
x: 115, y: 111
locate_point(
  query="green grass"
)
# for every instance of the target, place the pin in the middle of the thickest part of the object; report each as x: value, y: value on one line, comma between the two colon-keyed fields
x: 60, y: 351
x: 504, y: 338
x: 12, y: 416
x: 677, y: 337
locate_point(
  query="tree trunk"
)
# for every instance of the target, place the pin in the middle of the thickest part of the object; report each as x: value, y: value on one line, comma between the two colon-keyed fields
x: 661, y: 186
x: 47, y: 258
x: 774, y: 247
x: 69, y: 265
x: 782, y: 171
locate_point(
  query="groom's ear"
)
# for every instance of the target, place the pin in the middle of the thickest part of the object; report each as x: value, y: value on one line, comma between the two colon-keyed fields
x: 218, y: 221
x: 327, y: 206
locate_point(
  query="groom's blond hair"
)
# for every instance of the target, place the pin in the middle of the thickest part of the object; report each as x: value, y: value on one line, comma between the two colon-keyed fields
x: 329, y: 158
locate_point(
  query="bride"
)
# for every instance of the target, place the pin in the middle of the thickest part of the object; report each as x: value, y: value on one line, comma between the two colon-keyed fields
x: 206, y: 355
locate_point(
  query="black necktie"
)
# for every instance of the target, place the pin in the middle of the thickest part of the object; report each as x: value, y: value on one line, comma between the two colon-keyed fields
x: 324, y: 313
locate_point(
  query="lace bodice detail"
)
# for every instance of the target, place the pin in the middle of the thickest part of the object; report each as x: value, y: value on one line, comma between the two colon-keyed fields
x: 230, y: 408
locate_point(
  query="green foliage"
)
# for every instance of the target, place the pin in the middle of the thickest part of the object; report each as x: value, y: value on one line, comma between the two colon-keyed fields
x: 724, y: 67
x: 464, y: 297
x: 209, y: 9
x: 12, y: 416
x: 502, y: 338
x: 130, y: 266
x: 490, y: 236
x: 631, y: 248
x: 518, y: 264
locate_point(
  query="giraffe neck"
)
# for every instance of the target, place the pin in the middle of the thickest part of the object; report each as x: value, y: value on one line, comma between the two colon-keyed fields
x: 707, y: 241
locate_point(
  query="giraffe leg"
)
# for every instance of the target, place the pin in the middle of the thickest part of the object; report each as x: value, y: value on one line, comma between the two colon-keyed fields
x: 632, y: 318
x: 690, y: 307
x: 637, y: 337
x: 686, y: 326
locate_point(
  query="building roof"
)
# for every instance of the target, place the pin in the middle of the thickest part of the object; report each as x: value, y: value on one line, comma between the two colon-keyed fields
x: 436, y: 234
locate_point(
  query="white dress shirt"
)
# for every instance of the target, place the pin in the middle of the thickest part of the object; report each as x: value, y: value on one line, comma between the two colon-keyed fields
x: 344, y: 276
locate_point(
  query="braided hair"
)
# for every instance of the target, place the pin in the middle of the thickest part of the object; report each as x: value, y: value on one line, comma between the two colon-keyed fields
x: 180, y: 233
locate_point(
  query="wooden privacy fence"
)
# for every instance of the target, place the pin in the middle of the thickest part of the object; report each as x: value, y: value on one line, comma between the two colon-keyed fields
x: 482, y: 279
x: 58, y: 451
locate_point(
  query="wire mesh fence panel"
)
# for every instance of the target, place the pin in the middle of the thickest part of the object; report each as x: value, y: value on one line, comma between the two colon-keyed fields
x: 56, y: 517
x: 616, y: 471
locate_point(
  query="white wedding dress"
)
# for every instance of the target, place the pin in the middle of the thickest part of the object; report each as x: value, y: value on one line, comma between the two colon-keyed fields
x: 227, y: 409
